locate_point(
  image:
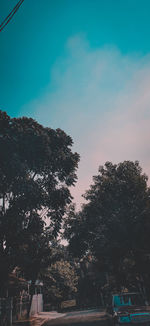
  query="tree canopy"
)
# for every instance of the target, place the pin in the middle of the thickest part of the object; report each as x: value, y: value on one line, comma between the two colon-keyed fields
x: 113, y: 222
x: 37, y: 167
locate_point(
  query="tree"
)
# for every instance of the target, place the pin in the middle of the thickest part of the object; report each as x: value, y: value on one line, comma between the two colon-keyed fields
x: 60, y: 282
x: 37, y: 167
x: 111, y: 224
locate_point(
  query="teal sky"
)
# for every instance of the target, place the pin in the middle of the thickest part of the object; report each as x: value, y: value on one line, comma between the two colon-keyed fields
x: 36, y: 37
x: 72, y: 64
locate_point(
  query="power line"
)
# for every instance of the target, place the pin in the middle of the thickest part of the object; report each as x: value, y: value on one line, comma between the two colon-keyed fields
x: 10, y: 16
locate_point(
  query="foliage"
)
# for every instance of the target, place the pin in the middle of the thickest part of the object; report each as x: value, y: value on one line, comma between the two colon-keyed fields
x: 112, y: 222
x: 37, y: 167
x: 60, y: 282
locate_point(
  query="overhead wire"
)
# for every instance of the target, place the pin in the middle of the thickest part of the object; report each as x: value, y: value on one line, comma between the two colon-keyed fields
x: 10, y: 13
x: 10, y: 16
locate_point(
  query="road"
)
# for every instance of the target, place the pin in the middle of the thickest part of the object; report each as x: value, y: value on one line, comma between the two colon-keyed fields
x: 92, y: 317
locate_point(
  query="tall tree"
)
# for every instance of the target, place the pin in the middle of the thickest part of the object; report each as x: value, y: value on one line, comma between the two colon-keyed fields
x: 37, y: 167
x: 112, y: 222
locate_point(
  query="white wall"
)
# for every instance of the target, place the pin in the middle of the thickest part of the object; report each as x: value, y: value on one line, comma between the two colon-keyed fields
x: 37, y: 304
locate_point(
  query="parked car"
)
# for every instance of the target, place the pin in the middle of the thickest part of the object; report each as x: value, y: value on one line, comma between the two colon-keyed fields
x: 128, y: 309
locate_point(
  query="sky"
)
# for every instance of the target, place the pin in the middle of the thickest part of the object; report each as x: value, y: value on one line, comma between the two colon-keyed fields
x: 82, y: 66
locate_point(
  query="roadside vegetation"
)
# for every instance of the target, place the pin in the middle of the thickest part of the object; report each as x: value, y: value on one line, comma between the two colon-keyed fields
x: 114, y: 226
x: 37, y: 167
x: 108, y: 239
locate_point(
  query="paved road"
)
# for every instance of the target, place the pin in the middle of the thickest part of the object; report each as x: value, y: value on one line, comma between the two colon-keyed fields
x: 92, y: 317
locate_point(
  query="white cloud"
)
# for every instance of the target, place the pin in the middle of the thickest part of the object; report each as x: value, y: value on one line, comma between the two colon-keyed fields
x: 102, y: 99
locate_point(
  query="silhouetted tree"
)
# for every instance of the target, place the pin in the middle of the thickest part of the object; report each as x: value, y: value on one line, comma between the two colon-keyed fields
x: 37, y: 167
x: 112, y: 222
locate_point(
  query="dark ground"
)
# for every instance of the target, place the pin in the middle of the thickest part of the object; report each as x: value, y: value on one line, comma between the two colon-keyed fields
x: 81, y: 318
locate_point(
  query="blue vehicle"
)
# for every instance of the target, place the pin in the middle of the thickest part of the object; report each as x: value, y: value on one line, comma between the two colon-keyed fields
x: 128, y: 309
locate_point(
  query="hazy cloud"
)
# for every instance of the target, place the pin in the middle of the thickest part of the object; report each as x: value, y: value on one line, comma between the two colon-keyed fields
x: 102, y: 99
